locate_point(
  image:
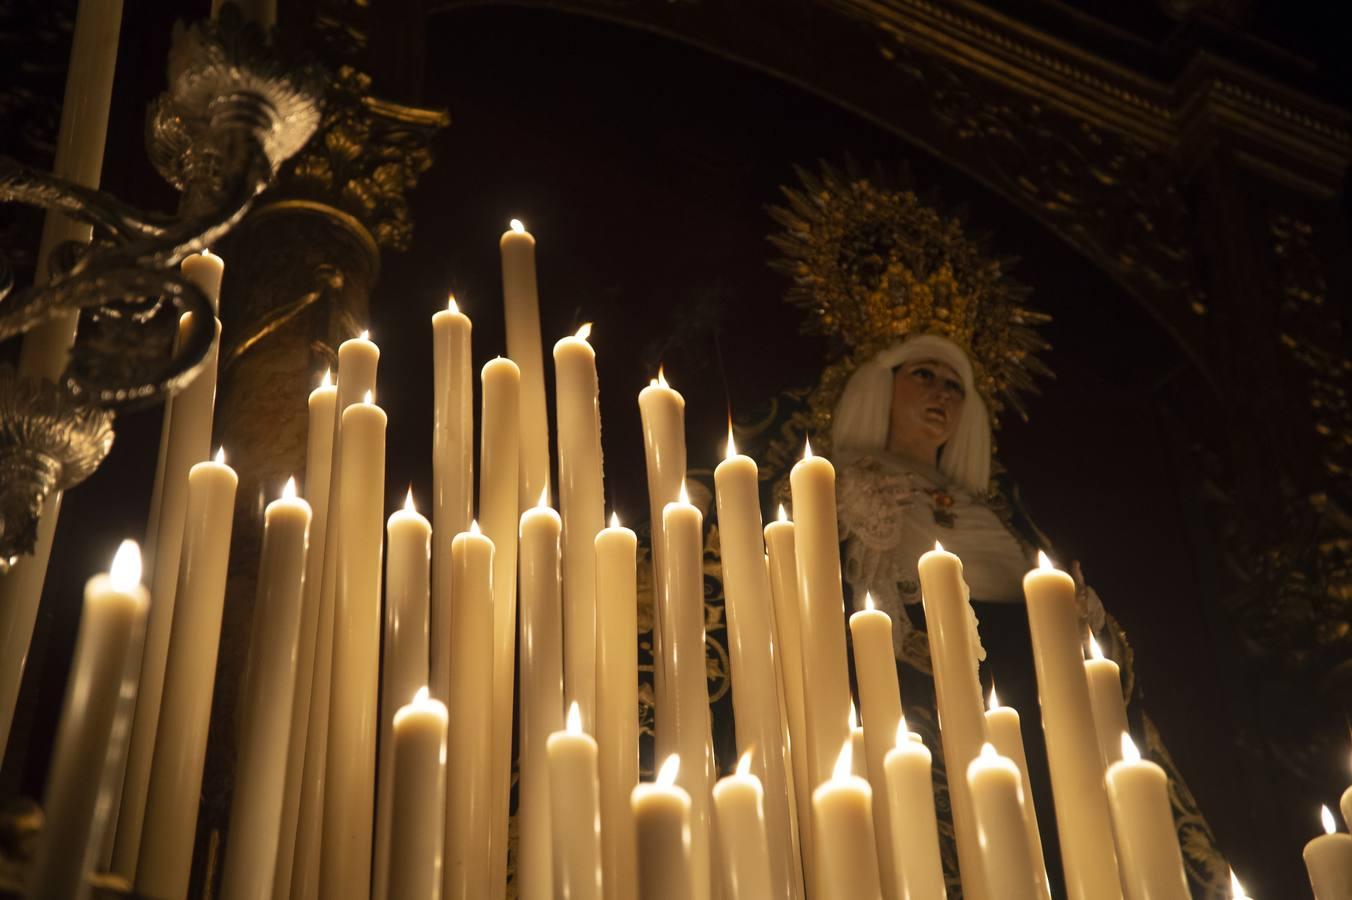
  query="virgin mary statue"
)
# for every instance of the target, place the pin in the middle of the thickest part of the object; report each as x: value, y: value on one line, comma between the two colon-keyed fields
x: 934, y: 345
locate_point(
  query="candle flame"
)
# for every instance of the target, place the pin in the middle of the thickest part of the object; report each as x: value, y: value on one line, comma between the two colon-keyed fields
x: 584, y: 332
x: 543, y: 502
x: 289, y: 489
x: 685, y: 495
x: 903, y: 732
x: 517, y: 226
x: 666, y: 776
x: 368, y: 397
x: 574, y: 718
x: 783, y: 514
x: 844, y: 762
x: 1095, y: 651
x: 1043, y: 562
x: 206, y: 251
x: 662, y: 376
x: 988, y: 750
x: 868, y: 601
x: 220, y: 454
x: 938, y: 547
x: 125, y: 572
x: 421, y: 695
x: 1130, y: 753
x: 1236, y: 889
x: 995, y: 698
x: 854, y: 717
x: 408, y: 500
x: 1326, y: 817
x: 614, y: 519
x: 327, y: 380
x: 474, y: 527
x: 732, y: 443
x: 365, y: 335
x: 744, y: 764
x: 451, y: 305
x: 807, y: 448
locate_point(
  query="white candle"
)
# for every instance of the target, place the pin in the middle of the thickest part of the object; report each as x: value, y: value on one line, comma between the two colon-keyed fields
x: 1346, y: 805
x: 541, y: 694
x: 875, y: 667
x: 662, y: 410
x: 1006, y: 735
x: 825, y: 671
x: 468, y: 763
x: 350, y: 765
x: 997, y: 802
x: 114, y: 608
x: 358, y: 360
x: 918, y: 869
x: 318, y: 458
x: 662, y: 827
x: 847, y: 858
x: 858, y: 755
x: 682, y: 527
x: 172, y: 798
x: 739, y: 809
x: 417, y: 809
x: 407, y: 586
x: 452, y: 470
x: 260, y: 771
x: 1088, y: 856
x: 500, y: 462
x: 1138, y: 794
x: 185, y: 440
x: 617, y: 703
x: 783, y: 565
x: 1328, y: 861
x: 756, y: 699
x: 521, y: 306
x: 582, y: 502
x: 1105, y: 698
x: 575, y: 811
x: 951, y: 625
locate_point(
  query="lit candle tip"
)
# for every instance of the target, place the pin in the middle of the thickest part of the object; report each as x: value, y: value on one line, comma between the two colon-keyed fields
x: 868, y: 601
x: 662, y: 376
x: 1236, y: 889
x: 125, y: 572
x: 408, y: 500
x: 474, y: 527
x: 421, y: 695
x: 614, y: 519
x: 844, y: 762
x: 854, y: 716
x: 903, y: 732
x: 451, y: 304
x: 543, y: 502
x: 807, y: 448
x: 289, y: 489
x: 783, y: 514
x: 1095, y: 651
x: 1130, y: 753
x: 584, y: 332
x: 988, y: 750
x: 666, y: 776
x: 517, y: 226
x: 574, y: 718
x: 995, y: 698
x: 1043, y: 562
x: 685, y: 495
x: 328, y: 378
x: 732, y: 442
x: 938, y: 547
x: 744, y: 764
x: 365, y: 334
x: 220, y: 455
x: 1326, y: 817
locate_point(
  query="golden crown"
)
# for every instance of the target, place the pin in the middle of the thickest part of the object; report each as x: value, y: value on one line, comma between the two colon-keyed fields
x: 872, y: 264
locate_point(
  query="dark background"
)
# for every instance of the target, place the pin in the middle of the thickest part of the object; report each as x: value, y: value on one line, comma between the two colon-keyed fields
x: 644, y: 169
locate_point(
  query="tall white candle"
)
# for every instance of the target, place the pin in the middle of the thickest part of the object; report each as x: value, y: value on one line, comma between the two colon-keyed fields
x: 682, y: 529
x: 358, y: 360
x: 875, y: 669
x: 582, y: 502
x: 744, y: 849
x: 847, y: 857
x: 997, y: 802
x: 521, y: 306
x: 166, y: 846
x: 907, y: 771
x: 954, y: 644
x: 185, y: 440
x: 407, y: 586
x: 574, y: 811
x: 1328, y: 861
x: 1105, y: 698
x: 260, y: 772
x: 350, y: 764
x: 318, y: 459
x: 114, y: 608
x: 500, y: 462
x: 662, y: 410
x: 469, y: 744
x: 1088, y: 855
x: 825, y: 671
x: 452, y: 470
x: 662, y: 827
x: 756, y: 699
x: 617, y: 703
x: 1138, y: 794
x: 541, y: 695
x: 1006, y: 735
x: 418, y: 814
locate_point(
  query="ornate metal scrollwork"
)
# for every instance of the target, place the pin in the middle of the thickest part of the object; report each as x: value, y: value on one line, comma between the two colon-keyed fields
x: 233, y: 113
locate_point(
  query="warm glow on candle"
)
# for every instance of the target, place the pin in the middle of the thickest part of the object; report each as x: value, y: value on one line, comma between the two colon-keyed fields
x: 666, y: 776
x: 1095, y: 651
x: 783, y: 514
x: 327, y: 380
x: 844, y: 762
x: 732, y: 444
x: 685, y: 495
x: 868, y: 601
x: 574, y: 718
x: 517, y: 226
x: 408, y: 500
x: 1043, y: 562
x: 584, y: 332
x: 1129, y: 752
x: 744, y: 764
x: 220, y: 455
x: 289, y: 489
x: 451, y: 304
x: 1326, y: 818
x: 474, y: 527
x: 125, y: 572
x: 614, y: 519
x: 995, y: 698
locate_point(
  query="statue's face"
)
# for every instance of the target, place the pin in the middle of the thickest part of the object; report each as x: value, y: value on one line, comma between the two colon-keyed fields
x: 927, y: 398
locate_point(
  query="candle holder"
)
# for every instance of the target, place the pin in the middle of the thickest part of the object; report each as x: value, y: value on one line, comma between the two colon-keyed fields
x: 234, y: 112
